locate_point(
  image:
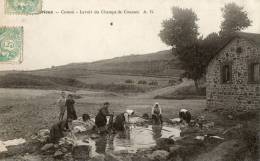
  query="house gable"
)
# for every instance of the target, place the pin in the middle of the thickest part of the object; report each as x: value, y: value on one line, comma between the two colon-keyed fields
x: 238, y: 92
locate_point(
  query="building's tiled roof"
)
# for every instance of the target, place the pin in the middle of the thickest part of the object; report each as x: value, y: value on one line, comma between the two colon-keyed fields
x: 253, y: 37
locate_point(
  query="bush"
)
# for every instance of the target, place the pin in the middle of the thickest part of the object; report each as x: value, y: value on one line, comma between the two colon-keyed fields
x: 129, y: 81
x: 190, y: 90
x: 202, y: 91
x: 249, y: 135
x: 145, y: 116
x: 153, y: 83
x: 172, y: 82
x: 117, y: 87
x: 142, y: 82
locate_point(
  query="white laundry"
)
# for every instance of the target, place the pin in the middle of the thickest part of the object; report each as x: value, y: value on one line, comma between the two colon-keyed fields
x: 4, y: 144
x: 176, y: 120
x: 77, y: 129
x: 2, y: 147
x: 14, y: 142
x: 200, y: 137
x: 217, y: 137
x: 183, y: 110
x: 80, y: 126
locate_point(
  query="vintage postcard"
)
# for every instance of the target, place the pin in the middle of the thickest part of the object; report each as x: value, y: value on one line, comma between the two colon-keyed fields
x: 129, y: 80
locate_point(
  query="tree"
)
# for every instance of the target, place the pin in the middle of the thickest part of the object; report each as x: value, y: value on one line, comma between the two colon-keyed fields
x: 198, y: 55
x: 181, y: 32
x: 191, y: 57
x: 235, y: 19
x: 210, y: 45
x: 194, y: 53
x: 181, y: 29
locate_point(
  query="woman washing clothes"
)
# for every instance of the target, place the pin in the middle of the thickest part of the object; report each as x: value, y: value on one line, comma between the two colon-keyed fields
x: 122, y: 120
x: 157, y: 114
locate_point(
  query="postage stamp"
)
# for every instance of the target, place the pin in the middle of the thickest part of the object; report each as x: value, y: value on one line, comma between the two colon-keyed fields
x: 24, y: 7
x: 11, y: 44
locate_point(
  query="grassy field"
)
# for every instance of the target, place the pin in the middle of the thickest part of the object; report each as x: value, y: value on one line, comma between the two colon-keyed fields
x: 186, y: 92
x: 94, y: 81
x: 24, y: 111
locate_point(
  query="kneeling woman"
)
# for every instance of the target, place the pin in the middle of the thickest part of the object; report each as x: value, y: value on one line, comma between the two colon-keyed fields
x: 121, y: 120
x: 101, y: 119
x: 185, y: 115
x: 58, y: 130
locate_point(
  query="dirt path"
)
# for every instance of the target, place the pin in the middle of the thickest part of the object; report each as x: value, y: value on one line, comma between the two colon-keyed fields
x: 166, y: 90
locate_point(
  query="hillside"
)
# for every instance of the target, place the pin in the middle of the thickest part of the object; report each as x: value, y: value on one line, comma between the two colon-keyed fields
x: 112, y: 74
x: 22, y: 80
x: 155, y: 64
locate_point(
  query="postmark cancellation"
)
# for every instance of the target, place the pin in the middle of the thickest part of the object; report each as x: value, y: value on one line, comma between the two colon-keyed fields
x: 24, y: 7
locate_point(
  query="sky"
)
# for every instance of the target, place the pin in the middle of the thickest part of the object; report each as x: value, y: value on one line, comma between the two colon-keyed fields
x: 58, y: 39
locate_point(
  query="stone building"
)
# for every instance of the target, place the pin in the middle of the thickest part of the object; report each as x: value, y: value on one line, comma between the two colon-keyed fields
x: 233, y: 75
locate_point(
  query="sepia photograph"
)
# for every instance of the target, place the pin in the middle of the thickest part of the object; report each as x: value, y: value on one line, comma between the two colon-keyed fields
x: 129, y: 80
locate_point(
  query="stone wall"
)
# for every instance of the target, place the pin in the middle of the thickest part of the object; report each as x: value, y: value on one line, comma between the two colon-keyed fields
x: 239, y: 93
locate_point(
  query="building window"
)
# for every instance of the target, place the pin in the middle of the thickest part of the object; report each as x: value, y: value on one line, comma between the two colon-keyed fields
x: 239, y: 50
x: 226, y: 73
x: 254, y: 72
x: 257, y: 91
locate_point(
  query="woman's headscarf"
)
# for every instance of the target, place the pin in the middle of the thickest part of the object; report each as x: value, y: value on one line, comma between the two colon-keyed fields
x: 130, y: 112
x: 156, y: 105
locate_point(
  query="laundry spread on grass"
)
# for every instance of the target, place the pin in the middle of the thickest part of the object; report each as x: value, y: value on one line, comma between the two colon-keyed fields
x: 5, y: 144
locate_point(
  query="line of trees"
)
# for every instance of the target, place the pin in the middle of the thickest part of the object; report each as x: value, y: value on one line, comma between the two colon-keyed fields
x: 193, y: 50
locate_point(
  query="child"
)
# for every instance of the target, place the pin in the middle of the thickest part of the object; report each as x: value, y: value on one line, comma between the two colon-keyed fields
x: 61, y: 103
x: 185, y: 115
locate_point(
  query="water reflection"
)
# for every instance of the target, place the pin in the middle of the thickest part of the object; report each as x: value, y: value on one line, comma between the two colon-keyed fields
x: 157, y: 131
x: 101, y: 144
x: 136, y: 137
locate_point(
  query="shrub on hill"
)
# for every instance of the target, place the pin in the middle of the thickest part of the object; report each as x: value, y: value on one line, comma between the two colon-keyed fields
x: 153, y: 83
x: 142, y: 82
x: 129, y: 81
x: 123, y: 88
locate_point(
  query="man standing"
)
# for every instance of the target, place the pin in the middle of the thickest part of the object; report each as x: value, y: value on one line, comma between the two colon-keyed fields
x: 61, y: 104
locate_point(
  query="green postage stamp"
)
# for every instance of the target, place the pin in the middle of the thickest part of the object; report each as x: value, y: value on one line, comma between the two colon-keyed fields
x: 11, y: 44
x: 25, y: 7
